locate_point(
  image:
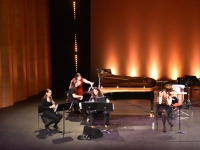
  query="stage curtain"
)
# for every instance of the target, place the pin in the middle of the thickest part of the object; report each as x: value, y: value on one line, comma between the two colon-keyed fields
x: 24, y: 49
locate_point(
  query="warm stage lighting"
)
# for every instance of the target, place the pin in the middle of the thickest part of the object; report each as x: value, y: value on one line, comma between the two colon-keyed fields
x: 74, y: 7
x: 75, y: 38
x: 160, y: 44
x: 133, y: 73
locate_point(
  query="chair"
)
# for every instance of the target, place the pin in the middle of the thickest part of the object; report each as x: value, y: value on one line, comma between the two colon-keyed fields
x: 159, y: 116
x: 40, y: 114
x: 66, y: 100
x: 40, y: 110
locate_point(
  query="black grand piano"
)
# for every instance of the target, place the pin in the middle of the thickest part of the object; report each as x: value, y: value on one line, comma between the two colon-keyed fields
x: 126, y: 87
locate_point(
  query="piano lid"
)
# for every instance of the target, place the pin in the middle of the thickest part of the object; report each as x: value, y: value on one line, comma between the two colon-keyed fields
x: 107, y: 79
x: 104, y: 71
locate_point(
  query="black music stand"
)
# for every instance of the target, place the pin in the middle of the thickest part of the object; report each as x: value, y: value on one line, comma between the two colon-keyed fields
x: 188, y: 101
x: 179, y: 131
x: 98, y: 107
x: 63, y: 107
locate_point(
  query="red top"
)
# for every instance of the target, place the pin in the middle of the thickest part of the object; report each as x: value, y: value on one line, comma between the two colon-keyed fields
x: 79, y: 88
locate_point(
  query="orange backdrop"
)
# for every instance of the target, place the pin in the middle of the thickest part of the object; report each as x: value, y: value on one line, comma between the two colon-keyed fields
x: 24, y: 49
x: 158, y: 39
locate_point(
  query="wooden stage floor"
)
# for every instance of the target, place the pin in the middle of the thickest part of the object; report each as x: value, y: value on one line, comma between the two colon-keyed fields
x: 130, y: 128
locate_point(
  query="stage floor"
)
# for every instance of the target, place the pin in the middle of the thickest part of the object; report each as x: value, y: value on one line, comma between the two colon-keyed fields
x: 130, y: 128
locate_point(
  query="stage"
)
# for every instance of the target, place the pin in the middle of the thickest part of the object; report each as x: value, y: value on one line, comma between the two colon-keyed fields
x: 130, y: 128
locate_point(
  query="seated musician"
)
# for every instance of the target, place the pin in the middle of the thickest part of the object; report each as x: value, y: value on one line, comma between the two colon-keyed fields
x: 165, y: 100
x: 97, y: 93
x: 72, y: 96
x: 49, y: 116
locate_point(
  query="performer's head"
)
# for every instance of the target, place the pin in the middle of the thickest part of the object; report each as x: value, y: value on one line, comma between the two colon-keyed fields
x: 166, y: 92
x: 96, y: 92
x: 78, y: 76
x: 48, y: 93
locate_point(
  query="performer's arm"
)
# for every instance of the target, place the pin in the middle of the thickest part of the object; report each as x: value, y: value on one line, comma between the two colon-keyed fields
x: 77, y: 96
x: 45, y: 106
x: 160, y: 97
x: 88, y: 82
x: 71, y: 82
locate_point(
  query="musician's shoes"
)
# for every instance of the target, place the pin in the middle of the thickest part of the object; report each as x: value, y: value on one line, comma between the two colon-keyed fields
x: 106, y: 127
x: 164, y: 129
x: 47, y: 127
x: 55, y: 127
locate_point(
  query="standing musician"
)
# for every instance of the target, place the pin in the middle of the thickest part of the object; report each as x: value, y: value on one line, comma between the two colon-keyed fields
x: 79, y: 81
x: 165, y: 100
x: 97, y: 93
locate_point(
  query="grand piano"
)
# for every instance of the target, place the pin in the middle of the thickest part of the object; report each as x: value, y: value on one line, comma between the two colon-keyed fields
x: 126, y: 87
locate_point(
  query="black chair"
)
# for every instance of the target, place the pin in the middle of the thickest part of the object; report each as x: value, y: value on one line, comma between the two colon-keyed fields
x: 159, y: 116
x: 66, y: 100
x: 40, y: 114
x: 40, y: 110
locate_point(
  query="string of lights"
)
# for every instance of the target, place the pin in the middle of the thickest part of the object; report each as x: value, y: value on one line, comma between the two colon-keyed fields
x: 75, y: 38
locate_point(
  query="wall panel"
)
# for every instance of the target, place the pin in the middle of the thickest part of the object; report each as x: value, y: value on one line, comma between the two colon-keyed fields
x: 24, y: 49
x: 158, y: 39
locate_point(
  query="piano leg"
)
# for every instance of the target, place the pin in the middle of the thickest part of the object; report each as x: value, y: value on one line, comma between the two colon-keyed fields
x: 151, y: 101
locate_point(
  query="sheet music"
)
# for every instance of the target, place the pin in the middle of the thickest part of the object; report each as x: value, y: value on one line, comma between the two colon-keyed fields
x: 178, y: 92
x: 55, y: 109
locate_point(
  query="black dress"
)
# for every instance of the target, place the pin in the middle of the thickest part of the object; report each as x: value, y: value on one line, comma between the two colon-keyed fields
x: 49, y: 115
x: 164, y: 107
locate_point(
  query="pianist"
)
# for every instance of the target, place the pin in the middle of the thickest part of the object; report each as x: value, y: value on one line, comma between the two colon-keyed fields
x: 97, y: 93
x: 73, y: 97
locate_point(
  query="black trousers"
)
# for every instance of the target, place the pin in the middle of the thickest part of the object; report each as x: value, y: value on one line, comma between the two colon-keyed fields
x: 51, y: 117
x: 106, y: 116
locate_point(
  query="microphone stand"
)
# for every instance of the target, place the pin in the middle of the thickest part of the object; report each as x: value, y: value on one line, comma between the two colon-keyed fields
x: 188, y: 102
x: 99, y: 72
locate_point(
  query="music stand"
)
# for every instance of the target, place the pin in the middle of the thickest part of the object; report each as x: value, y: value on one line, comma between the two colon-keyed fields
x: 188, y: 101
x: 63, y: 107
x: 98, y: 107
x: 179, y: 131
